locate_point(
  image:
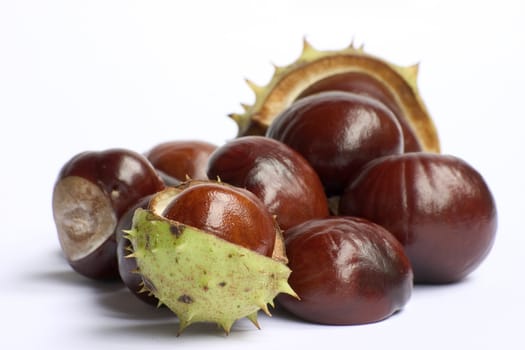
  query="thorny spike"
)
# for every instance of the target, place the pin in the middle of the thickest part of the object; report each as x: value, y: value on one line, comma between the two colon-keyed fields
x: 143, y: 288
x: 410, y: 73
x: 264, y: 308
x: 227, y: 326
x: 128, y: 234
x: 182, y: 326
x: 351, y: 46
x: 287, y: 289
x: 278, y: 69
x: 307, y: 48
x: 236, y: 117
x: 255, y: 88
x: 253, y: 319
x: 245, y: 106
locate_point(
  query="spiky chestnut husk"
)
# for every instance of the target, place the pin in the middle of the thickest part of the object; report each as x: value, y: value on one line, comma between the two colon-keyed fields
x: 290, y: 82
x: 199, y: 276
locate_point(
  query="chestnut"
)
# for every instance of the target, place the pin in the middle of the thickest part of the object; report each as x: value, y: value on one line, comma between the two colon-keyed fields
x: 346, y: 271
x: 366, y: 84
x: 231, y: 213
x: 275, y: 173
x: 181, y: 159
x: 217, y: 274
x: 93, y: 190
x: 438, y: 206
x: 338, y: 133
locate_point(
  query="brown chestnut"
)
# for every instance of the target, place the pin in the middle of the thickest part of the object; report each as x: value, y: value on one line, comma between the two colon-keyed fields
x: 345, y: 270
x: 338, y: 133
x: 92, y: 192
x: 231, y: 213
x: 438, y: 206
x: 366, y: 84
x: 275, y: 173
x: 178, y: 160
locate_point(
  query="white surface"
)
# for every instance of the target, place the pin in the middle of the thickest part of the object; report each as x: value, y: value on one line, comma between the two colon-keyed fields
x: 78, y: 75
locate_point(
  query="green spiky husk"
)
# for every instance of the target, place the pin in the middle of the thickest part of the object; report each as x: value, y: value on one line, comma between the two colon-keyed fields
x: 201, y: 277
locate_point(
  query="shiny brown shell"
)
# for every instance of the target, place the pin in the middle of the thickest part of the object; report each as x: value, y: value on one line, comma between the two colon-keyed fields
x: 161, y: 200
x: 289, y: 82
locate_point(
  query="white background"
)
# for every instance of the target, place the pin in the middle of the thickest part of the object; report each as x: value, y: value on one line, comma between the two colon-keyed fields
x: 79, y: 75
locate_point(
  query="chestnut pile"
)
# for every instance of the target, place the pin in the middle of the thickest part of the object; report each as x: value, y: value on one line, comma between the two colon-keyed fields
x: 333, y: 200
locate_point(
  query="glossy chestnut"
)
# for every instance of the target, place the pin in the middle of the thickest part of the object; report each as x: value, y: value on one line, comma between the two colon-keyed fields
x: 438, y: 206
x: 231, y: 213
x: 365, y: 84
x: 346, y: 270
x: 276, y: 174
x: 178, y: 160
x: 93, y: 190
x: 338, y: 133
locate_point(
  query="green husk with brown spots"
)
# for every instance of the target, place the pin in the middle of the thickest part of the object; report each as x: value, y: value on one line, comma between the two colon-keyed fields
x: 201, y: 277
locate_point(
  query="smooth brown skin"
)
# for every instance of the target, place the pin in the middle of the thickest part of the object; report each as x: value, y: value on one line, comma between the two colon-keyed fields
x: 437, y: 206
x: 181, y: 159
x: 124, y: 176
x: 346, y: 271
x: 365, y: 84
x: 338, y: 133
x: 276, y: 174
x: 127, y: 266
x: 231, y: 213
